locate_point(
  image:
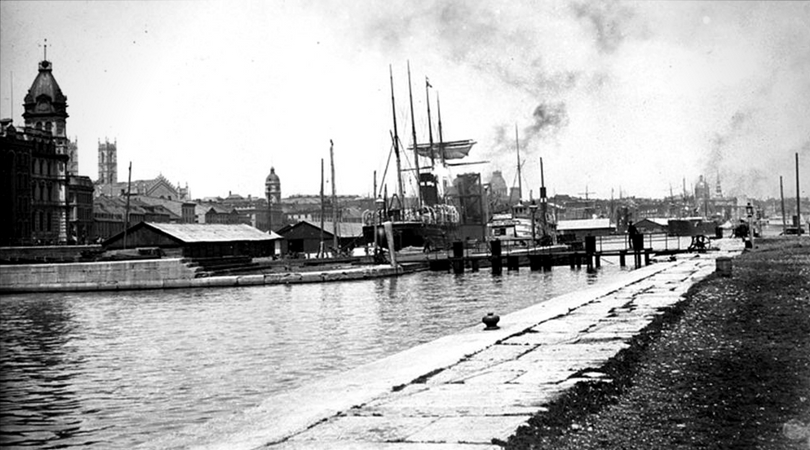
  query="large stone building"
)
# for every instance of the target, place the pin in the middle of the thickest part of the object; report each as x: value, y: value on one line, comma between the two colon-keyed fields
x: 37, y: 162
x: 80, y: 209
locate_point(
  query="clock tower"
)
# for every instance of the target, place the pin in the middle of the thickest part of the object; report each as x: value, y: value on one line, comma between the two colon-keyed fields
x: 272, y: 189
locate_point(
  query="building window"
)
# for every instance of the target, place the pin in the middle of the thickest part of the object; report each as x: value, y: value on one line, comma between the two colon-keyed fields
x: 49, y: 221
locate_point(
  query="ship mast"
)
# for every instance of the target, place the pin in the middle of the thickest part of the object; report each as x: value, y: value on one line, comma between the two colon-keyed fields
x: 441, y: 140
x: 400, y: 190
x: 320, y: 248
x: 520, y: 181
x: 415, y: 150
x: 335, y: 228
x: 543, y: 200
x: 430, y: 125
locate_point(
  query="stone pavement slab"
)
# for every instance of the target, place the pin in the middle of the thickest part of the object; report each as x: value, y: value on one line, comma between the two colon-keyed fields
x: 460, y: 391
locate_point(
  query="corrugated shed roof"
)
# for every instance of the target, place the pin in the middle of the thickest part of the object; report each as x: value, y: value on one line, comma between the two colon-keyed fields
x: 584, y: 224
x: 209, y: 232
x: 656, y: 220
x: 346, y: 229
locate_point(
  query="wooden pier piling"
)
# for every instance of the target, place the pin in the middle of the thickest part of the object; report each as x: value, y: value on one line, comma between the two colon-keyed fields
x: 512, y: 262
x: 535, y: 262
x: 458, y: 257
x: 496, y: 260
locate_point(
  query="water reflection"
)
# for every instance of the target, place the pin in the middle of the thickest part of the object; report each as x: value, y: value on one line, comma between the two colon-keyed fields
x: 112, y: 370
x: 34, y: 403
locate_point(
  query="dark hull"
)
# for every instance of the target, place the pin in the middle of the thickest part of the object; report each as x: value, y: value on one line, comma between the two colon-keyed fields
x: 414, y: 234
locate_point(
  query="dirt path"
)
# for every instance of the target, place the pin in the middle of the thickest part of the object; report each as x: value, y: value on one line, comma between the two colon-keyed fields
x: 729, y: 367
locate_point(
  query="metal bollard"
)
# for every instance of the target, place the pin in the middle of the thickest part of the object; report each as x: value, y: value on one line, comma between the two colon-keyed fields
x: 723, y: 266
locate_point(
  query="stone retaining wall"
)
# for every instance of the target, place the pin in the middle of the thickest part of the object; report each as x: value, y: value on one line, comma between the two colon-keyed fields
x: 168, y: 273
x: 112, y: 275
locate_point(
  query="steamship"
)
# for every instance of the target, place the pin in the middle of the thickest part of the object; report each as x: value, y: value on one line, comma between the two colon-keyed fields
x: 429, y: 222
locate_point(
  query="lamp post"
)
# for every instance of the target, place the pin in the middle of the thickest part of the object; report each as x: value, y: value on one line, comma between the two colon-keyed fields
x: 749, y: 210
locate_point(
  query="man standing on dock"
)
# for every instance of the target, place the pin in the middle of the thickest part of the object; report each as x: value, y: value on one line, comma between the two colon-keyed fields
x: 632, y: 232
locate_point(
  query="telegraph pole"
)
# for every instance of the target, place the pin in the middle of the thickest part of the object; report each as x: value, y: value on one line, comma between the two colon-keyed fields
x: 782, y: 195
x: 798, y: 200
x: 334, y: 201
x: 126, y: 213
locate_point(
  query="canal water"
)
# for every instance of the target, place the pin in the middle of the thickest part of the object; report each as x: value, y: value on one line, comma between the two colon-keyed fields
x: 112, y: 370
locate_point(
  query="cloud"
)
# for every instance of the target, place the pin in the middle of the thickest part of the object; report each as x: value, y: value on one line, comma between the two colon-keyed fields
x: 608, y: 21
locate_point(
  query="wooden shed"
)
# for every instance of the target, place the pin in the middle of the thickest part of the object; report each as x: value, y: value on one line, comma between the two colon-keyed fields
x: 305, y: 237
x: 650, y: 225
x: 578, y: 229
x: 195, y: 240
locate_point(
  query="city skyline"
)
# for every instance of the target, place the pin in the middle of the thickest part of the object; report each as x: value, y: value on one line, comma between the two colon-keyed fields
x: 614, y: 96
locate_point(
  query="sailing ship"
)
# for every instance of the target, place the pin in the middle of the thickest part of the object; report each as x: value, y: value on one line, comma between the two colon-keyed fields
x: 429, y: 222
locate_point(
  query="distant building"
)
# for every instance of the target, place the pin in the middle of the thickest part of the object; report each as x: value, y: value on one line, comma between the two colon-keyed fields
x: 223, y: 215
x: 73, y: 157
x: 80, y: 204
x: 498, y: 193
x: 107, y: 162
x: 272, y: 190
x: 33, y: 208
x: 109, y: 215
x: 159, y: 187
x: 181, y: 211
x: 715, y: 207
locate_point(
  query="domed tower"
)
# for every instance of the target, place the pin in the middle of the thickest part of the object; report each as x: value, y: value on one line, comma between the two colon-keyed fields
x: 702, y: 189
x: 272, y: 190
x: 702, y: 196
x: 46, y: 109
x: 45, y: 104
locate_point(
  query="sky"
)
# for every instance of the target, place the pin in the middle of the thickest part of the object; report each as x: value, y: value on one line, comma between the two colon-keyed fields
x: 617, y: 98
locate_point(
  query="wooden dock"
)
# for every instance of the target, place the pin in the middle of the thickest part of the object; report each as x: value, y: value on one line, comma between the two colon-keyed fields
x: 544, y: 258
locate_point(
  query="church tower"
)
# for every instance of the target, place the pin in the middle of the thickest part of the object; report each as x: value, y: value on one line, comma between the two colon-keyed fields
x: 272, y: 189
x: 107, y: 162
